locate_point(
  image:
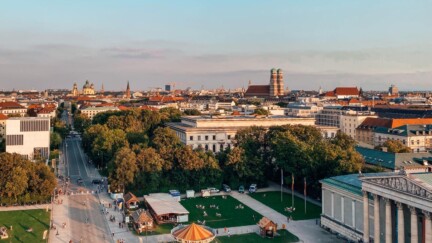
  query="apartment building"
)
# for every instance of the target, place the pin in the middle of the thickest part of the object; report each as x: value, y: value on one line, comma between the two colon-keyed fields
x: 90, y: 112
x: 350, y: 120
x: 417, y: 137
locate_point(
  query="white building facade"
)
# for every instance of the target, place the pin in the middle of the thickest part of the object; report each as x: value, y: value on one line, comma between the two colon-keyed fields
x: 217, y: 133
x: 28, y: 136
x: 350, y: 120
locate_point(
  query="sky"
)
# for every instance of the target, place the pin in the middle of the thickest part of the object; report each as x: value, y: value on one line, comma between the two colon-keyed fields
x: 215, y: 43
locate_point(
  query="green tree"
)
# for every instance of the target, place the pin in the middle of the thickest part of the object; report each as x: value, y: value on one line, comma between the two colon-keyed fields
x: 192, y: 112
x: 123, y: 169
x: 170, y: 114
x: 395, y: 146
x: 261, y: 111
x: 81, y: 122
x: 55, y: 140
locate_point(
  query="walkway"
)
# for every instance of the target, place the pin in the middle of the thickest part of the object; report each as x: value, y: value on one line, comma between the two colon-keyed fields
x: 306, y: 230
x: 28, y: 207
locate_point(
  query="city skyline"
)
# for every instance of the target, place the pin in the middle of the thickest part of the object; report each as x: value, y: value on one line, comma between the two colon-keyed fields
x: 369, y: 44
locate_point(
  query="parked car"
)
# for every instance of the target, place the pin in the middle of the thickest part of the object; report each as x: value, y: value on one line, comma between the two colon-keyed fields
x: 80, y: 181
x: 252, y: 188
x: 97, y: 181
x: 213, y: 190
x: 226, y: 188
x: 241, y: 189
x: 174, y: 193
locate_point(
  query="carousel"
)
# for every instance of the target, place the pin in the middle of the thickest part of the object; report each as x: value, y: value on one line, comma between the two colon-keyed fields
x: 193, y: 233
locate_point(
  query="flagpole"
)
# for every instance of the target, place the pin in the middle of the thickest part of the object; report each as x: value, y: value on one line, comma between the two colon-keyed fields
x: 305, y: 193
x: 292, y: 190
x: 281, y: 183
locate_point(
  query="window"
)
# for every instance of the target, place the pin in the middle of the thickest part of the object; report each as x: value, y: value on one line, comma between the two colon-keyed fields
x: 418, y: 142
x: 229, y: 136
x: 412, y: 142
x: 214, y: 147
x: 214, y: 137
x: 191, y: 138
x: 206, y: 138
x: 12, y: 140
x: 221, y: 147
x: 199, y: 138
x: 206, y: 147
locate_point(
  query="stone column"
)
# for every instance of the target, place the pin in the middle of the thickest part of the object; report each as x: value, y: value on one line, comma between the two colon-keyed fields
x: 376, y: 218
x: 401, y: 223
x: 428, y: 225
x: 414, y: 226
x: 388, y: 221
x: 365, y: 217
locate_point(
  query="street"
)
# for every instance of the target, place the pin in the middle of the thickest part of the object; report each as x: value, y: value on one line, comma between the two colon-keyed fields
x: 78, y: 218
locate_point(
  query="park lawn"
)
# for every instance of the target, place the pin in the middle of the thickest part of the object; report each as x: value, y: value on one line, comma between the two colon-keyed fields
x: 284, y: 237
x: 273, y: 200
x: 21, y: 221
x: 230, y: 216
x: 158, y: 230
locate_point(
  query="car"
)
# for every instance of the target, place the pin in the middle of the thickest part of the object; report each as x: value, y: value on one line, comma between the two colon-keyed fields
x: 252, y: 188
x: 241, y: 189
x: 97, y: 181
x: 213, y: 190
x: 226, y: 188
x: 80, y: 181
x: 174, y: 193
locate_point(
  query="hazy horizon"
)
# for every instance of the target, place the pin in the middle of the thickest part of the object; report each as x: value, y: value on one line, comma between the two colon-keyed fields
x: 369, y: 44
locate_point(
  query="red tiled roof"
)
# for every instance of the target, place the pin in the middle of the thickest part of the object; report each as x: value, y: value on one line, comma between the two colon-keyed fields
x: 3, y: 117
x: 10, y: 105
x: 346, y: 91
x: 46, y: 110
x: 393, y: 123
x: 258, y: 89
x: 376, y: 122
x: 329, y: 94
x: 165, y: 99
x: 354, y: 101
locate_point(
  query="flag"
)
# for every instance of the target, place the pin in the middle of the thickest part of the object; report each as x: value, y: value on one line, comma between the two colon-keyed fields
x: 304, y: 190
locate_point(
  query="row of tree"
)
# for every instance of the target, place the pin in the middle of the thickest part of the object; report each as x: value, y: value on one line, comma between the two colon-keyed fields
x: 23, y: 181
x: 142, y: 155
x: 300, y: 151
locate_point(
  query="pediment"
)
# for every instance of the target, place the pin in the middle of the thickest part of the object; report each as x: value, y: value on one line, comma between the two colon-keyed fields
x: 401, y: 184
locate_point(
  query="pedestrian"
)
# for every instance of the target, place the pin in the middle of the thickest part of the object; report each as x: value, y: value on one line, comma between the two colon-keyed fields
x: 229, y: 234
x: 217, y: 231
x: 112, y: 234
x: 119, y: 225
x: 316, y: 221
x: 225, y: 229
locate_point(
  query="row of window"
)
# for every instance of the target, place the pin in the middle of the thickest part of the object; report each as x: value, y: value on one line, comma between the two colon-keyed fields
x: 14, y: 140
x: 34, y: 126
x: 221, y: 147
x: 206, y: 137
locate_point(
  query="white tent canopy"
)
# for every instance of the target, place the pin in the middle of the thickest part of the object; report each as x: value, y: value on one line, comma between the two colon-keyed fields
x: 164, y: 203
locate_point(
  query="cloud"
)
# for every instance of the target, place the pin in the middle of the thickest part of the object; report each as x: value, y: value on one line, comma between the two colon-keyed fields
x: 140, y: 53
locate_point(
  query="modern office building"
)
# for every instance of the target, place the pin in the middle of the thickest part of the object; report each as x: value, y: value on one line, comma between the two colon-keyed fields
x: 28, y: 136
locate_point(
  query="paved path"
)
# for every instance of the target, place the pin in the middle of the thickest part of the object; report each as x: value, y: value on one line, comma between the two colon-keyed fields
x: 28, y: 207
x: 306, y: 230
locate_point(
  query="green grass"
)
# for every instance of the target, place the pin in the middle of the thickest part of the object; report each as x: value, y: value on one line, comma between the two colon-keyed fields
x: 284, y: 237
x: 273, y: 200
x: 231, y: 217
x: 158, y: 230
x: 21, y: 221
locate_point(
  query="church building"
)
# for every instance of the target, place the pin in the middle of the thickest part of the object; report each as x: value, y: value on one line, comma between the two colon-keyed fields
x: 274, y: 89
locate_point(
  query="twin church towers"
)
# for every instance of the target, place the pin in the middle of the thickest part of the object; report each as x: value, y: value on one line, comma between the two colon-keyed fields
x: 276, y: 83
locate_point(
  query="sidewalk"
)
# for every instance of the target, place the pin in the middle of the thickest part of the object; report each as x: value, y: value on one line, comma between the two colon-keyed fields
x: 275, y: 187
x: 60, y: 215
x: 306, y: 230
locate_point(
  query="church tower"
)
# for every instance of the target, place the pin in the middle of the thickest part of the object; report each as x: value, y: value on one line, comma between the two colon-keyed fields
x: 128, y: 93
x: 102, y: 91
x: 273, y: 83
x: 280, y: 83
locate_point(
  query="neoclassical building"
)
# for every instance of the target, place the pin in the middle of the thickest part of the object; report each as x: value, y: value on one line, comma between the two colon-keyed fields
x: 379, y: 207
x: 88, y: 89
